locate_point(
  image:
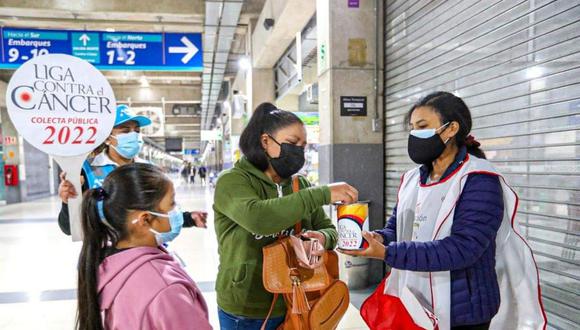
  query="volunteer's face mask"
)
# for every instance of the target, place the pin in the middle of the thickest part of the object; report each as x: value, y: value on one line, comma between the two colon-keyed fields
x: 290, y: 161
x: 175, y: 223
x: 426, y: 145
x: 128, y: 144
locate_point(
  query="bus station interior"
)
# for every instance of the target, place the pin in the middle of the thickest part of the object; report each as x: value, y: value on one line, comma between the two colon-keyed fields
x: 516, y: 63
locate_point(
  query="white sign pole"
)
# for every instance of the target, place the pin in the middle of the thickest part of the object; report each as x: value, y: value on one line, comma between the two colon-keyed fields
x: 65, y: 107
x: 72, y: 166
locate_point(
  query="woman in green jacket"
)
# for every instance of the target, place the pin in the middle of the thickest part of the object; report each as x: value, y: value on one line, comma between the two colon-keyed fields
x: 254, y: 204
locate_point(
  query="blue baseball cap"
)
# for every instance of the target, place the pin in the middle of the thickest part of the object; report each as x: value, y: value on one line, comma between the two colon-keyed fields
x: 124, y: 114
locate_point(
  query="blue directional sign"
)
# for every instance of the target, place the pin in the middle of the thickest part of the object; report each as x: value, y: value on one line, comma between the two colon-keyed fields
x: 191, y: 152
x: 106, y: 50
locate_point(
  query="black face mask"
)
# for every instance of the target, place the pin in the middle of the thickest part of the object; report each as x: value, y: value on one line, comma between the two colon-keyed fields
x: 290, y: 161
x: 424, y: 150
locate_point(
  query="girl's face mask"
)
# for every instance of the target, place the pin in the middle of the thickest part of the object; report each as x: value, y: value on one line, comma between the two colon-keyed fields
x: 175, y: 223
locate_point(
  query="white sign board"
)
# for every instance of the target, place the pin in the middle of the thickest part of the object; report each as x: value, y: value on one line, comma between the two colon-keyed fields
x: 65, y: 107
x: 60, y: 104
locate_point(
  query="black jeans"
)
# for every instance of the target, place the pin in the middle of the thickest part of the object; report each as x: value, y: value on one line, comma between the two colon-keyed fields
x: 484, y: 326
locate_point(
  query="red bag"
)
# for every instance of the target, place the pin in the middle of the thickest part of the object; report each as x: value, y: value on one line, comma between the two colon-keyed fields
x: 384, y: 312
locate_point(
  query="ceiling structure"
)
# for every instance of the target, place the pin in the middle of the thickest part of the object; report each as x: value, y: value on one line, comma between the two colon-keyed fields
x: 226, y: 21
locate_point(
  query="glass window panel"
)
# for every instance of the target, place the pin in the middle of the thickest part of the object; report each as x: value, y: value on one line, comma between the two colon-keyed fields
x: 544, y: 34
x: 556, y: 251
x: 556, y: 196
x: 568, y: 314
x: 569, y: 226
x: 565, y: 268
x: 416, y: 31
x: 471, y: 36
x: 569, y: 167
x: 565, y: 283
x: 557, y: 322
x: 560, y: 181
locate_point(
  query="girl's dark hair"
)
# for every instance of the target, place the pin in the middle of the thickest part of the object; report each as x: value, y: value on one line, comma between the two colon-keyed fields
x: 265, y: 119
x: 129, y: 187
x: 451, y: 108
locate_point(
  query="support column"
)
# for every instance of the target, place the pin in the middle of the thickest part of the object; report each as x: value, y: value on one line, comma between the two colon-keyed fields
x: 352, y: 147
x: 255, y: 86
x: 260, y: 88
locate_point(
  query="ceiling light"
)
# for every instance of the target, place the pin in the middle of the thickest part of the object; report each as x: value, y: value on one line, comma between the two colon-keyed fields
x: 110, y: 30
x: 145, y: 93
x: 144, y: 81
x: 244, y: 63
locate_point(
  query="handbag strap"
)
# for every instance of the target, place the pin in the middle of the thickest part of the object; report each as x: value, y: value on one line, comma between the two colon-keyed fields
x: 270, y: 312
x: 297, y: 229
x: 295, y: 189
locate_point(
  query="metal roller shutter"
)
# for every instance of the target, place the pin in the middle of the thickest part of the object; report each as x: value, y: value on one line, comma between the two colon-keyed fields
x: 517, y: 66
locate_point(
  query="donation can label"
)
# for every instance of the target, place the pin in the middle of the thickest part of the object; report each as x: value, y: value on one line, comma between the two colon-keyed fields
x: 353, y: 219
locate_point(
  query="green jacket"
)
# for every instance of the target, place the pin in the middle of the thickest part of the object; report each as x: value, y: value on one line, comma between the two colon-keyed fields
x: 248, y: 216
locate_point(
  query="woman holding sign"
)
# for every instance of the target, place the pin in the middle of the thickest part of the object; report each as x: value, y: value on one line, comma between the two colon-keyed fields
x: 458, y: 260
x: 121, y: 148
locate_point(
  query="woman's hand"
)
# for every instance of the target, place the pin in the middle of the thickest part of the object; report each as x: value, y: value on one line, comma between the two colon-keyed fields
x: 66, y: 189
x: 199, y: 219
x: 342, y: 192
x: 378, y: 237
x: 376, y: 249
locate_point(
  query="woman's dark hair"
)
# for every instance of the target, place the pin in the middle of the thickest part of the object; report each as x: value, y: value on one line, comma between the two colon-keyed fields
x: 129, y: 187
x: 265, y: 119
x: 451, y: 108
x: 99, y: 149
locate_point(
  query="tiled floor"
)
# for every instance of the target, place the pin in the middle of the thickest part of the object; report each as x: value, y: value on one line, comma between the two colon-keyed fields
x: 38, y: 264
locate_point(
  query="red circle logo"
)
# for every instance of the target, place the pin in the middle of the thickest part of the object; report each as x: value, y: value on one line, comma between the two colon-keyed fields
x: 25, y: 96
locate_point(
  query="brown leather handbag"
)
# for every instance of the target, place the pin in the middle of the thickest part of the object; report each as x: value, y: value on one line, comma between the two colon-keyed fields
x: 315, y: 298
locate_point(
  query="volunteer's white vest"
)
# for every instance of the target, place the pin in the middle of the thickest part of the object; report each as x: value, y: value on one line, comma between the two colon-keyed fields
x: 434, y: 204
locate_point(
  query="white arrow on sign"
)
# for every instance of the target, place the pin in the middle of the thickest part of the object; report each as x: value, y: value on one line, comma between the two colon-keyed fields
x: 189, y: 50
x: 84, y: 38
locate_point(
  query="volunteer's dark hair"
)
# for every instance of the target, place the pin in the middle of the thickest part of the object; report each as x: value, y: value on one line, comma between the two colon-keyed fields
x: 129, y: 187
x: 265, y: 119
x: 451, y: 108
x: 99, y: 149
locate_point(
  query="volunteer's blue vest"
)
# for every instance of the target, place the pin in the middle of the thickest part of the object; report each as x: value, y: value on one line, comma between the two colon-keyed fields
x: 96, y: 175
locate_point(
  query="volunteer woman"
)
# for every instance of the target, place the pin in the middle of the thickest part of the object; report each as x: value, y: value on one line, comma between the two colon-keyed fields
x: 254, y: 203
x: 451, y: 239
x: 122, y: 147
